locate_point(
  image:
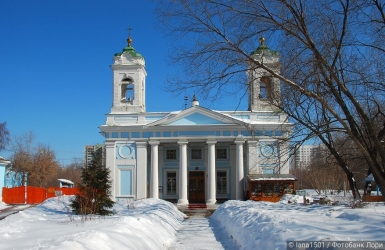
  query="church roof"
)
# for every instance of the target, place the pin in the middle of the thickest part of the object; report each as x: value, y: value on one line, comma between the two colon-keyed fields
x: 129, y: 50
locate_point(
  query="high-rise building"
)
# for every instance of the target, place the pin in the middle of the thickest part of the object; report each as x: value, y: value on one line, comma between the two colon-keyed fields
x: 306, y: 154
x: 89, y: 150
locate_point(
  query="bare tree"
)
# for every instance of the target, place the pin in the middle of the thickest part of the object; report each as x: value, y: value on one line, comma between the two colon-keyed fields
x: 325, y: 175
x: 4, y: 135
x: 332, y: 54
x: 70, y: 172
x: 22, y: 158
x: 38, y: 162
x: 44, y: 166
x: 73, y: 171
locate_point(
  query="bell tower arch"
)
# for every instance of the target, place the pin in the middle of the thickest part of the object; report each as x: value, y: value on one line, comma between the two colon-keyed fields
x: 264, y: 91
x: 129, y: 81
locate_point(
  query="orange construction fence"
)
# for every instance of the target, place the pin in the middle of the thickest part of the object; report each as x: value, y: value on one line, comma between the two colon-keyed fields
x: 34, y: 195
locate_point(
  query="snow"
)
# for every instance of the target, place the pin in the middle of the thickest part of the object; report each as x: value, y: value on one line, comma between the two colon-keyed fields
x: 158, y: 224
x: 3, y: 205
x: 201, y: 233
x: 150, y: 225
x: 264, y: 225
x: 65, y: 181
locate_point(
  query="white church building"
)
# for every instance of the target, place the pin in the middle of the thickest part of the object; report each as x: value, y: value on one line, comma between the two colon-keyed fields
x: 195, y: 155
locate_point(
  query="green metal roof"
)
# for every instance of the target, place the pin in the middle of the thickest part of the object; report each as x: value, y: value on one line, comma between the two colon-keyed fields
x: 130, y: 50
x: 264, y: 48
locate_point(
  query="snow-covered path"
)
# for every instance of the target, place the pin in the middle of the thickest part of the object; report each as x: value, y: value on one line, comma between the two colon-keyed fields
x: 198, y: 232
x: 4, y: 212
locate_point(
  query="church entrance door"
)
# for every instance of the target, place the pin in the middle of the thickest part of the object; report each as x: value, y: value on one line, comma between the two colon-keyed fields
x: 196, y: 187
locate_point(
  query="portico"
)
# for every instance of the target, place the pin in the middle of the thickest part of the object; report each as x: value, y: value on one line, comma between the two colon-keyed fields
x: 189, y: 179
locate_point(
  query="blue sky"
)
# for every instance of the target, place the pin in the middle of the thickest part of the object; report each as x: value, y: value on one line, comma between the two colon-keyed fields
x: 55, y: 77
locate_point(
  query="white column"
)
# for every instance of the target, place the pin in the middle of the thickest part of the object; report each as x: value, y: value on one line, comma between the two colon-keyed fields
x: 110, y: 164
x: 182, y: 173
x: 239, y: 172
x: 211, y: 197
x: 154, y: 181
x: 141, y: 170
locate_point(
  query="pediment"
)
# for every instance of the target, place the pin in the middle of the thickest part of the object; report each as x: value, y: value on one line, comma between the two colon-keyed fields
x: 197, y: 119
x: 196, y: 116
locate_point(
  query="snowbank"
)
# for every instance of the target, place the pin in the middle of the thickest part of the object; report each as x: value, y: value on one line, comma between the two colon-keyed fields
x: 151, y: 225
x: 264, y: 225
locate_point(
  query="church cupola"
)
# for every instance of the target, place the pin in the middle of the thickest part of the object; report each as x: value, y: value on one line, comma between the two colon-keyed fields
x: 194, y: 102
x: 129, y: 81
x: 264, y: 89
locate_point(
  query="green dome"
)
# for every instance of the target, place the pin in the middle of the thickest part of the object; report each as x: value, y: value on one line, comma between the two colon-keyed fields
x: 129, y: 49
x: 263, y: 48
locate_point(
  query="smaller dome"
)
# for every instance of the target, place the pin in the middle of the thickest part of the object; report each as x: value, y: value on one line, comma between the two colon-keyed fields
x: 194, y: 102
x: 264, y: 48
x: 129, y: 49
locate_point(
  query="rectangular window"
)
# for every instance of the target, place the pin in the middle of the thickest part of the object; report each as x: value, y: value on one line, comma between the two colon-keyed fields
x: 125, y: 182
x: 268, y: 189
x: 171, y: 154
x: 278, y: 189
x: 245, y: 133
x: 135, y: 135
x: 147, y: 134
x: 171, y: 183
x: 196, y: 154
x: 256, y: 190
x: 221, y: 153
x: 262, y: 91
x: 226, y: 133
x: 268, y: 171
x: 222, y: 182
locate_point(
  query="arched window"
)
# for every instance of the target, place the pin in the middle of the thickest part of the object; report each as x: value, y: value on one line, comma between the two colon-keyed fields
x: 127, y: 90
x: 265, y: 88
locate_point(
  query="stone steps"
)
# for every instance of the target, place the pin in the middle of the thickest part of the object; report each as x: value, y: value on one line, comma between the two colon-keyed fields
x: 197, y: 206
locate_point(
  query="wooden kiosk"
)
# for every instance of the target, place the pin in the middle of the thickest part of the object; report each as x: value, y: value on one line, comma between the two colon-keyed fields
x: 270, y: 187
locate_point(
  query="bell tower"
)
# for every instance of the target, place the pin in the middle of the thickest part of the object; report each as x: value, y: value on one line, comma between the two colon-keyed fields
x: 129, y: 81
x: 264, y: 89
